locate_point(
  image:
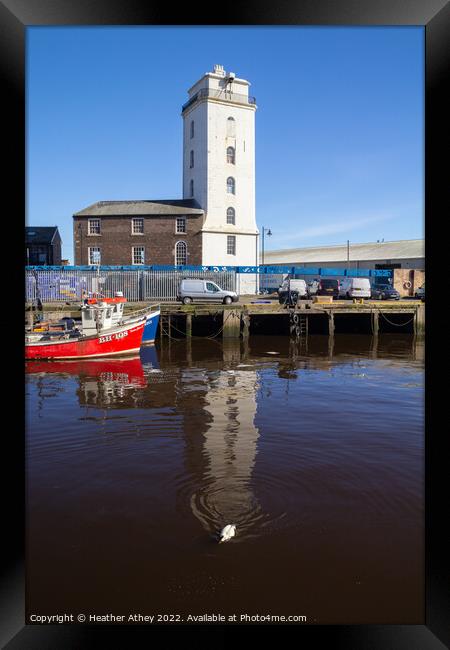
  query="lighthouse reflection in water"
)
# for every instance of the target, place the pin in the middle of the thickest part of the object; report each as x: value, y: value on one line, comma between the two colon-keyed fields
x: 316, y: 454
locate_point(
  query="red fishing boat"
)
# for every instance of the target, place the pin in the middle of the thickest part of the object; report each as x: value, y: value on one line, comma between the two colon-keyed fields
x: 152, y: 312
x: 99, y: 336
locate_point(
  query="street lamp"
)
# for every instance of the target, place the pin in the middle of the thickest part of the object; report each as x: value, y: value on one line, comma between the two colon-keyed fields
x: 269, y: 234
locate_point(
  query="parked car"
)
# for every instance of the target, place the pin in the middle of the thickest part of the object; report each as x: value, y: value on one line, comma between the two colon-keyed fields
x: 384, y: 292
x: 328, y: 287
x: 355, y: 288
x: 420, y: 292
x: 297, y: 289
x: 312, y: 287
x: 204, y: 290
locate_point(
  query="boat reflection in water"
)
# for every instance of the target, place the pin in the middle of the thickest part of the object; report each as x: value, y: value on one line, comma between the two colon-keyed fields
x: 103, y: 382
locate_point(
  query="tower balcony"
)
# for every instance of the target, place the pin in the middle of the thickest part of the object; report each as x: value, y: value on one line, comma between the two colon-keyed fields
x: 221, y: 95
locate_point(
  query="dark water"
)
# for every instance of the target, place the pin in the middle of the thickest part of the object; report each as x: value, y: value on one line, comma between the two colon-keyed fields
x: 317, y: 455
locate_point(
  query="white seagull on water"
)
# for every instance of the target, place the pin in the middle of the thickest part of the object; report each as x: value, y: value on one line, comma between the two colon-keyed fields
x: 227, y: 533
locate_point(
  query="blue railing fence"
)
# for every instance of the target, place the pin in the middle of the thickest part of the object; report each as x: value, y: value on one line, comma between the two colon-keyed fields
x: 157, y: 282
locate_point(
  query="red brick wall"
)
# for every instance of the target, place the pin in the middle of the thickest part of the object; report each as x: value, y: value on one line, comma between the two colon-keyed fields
x: 159, y: 240
x: 403, y: 277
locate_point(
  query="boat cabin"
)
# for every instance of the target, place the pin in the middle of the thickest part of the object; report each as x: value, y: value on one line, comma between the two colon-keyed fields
x: 102, y: 313
x: 96, y: 318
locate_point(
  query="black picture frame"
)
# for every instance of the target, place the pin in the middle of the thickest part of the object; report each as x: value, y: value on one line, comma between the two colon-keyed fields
x: 15, y: 17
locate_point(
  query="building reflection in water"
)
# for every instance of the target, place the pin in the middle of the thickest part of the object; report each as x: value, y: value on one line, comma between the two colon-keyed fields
x: 214, y: 387
x: 221, y: 452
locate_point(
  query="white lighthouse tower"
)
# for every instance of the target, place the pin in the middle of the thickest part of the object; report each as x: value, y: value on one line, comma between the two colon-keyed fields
x: 219, y: 169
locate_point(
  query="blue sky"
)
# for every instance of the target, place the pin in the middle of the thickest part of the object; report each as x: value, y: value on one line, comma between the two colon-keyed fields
x: 339, y: 125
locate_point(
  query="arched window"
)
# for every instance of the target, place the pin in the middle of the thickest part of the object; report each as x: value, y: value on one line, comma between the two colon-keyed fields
x: 181, y: 253
x: 231, y: 216
x: 231, y: 185
x: 191, y: 159
x: 192, y: 187
x: 231, y: 155
x: 192, y: 129
x: 231, y: 127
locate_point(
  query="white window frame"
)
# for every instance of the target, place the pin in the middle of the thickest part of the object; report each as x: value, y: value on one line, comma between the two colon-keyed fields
x: 231, y: 214
x: 94, y: 234
x: 231, y: 239
x: 133, y: 249
x: 183, y: 245
x: 90, y: 250
x: 231, y: 155
x: 184, y: 224
x: 231, y: 186
x: 133, y: 220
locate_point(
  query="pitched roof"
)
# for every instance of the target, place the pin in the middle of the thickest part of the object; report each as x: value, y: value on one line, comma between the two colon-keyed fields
x: 40, y: 234
x: 389, y: 250
x: 163, y: 207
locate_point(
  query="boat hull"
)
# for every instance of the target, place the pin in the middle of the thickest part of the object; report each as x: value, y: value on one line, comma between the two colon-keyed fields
x: 121, y: 341
x: 150, y: 328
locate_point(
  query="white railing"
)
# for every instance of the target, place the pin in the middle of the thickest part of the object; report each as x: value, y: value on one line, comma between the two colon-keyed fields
x: 63, y: 285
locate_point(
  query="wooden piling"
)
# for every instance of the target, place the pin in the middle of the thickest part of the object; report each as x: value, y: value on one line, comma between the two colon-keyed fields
x: 189, y: 350
x: 231, y: 323
x: 246, y: 324
x: 419, y: 320
x: 331, y: 323
x: 375, y: 323
x: 189, y: 325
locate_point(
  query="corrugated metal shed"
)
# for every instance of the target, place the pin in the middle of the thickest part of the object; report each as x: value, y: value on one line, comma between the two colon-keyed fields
x: 145, y: 208
x: 389, y: 250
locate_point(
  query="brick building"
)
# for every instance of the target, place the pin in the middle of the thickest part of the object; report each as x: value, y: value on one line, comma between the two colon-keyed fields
x: 42, y: 245
x: 139, y: 232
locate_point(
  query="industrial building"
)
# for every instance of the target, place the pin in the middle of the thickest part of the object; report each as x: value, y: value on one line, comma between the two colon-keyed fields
x: 405, y: 257
x: 401, y: 254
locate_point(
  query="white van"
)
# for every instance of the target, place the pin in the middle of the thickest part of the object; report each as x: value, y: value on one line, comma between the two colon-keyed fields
x: 294, y: 286
x: 196, y: 290
x: 354, y: 288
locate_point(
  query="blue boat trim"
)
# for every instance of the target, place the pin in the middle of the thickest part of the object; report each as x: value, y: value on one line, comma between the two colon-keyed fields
x: 151, y: 327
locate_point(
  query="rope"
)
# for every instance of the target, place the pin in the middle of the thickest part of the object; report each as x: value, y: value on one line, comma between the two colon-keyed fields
x: 396, y: 324
x: 213, y: 336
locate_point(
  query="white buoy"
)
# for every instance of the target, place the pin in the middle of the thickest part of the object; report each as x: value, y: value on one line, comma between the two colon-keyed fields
x: 227, y: 533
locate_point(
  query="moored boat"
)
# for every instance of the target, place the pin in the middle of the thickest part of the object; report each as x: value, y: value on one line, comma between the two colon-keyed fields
x: 152, y: 313
x: 99, y: 336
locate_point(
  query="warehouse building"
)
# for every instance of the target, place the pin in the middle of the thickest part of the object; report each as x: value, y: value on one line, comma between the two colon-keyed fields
x: 405, y: 257
x: 401, y: 254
